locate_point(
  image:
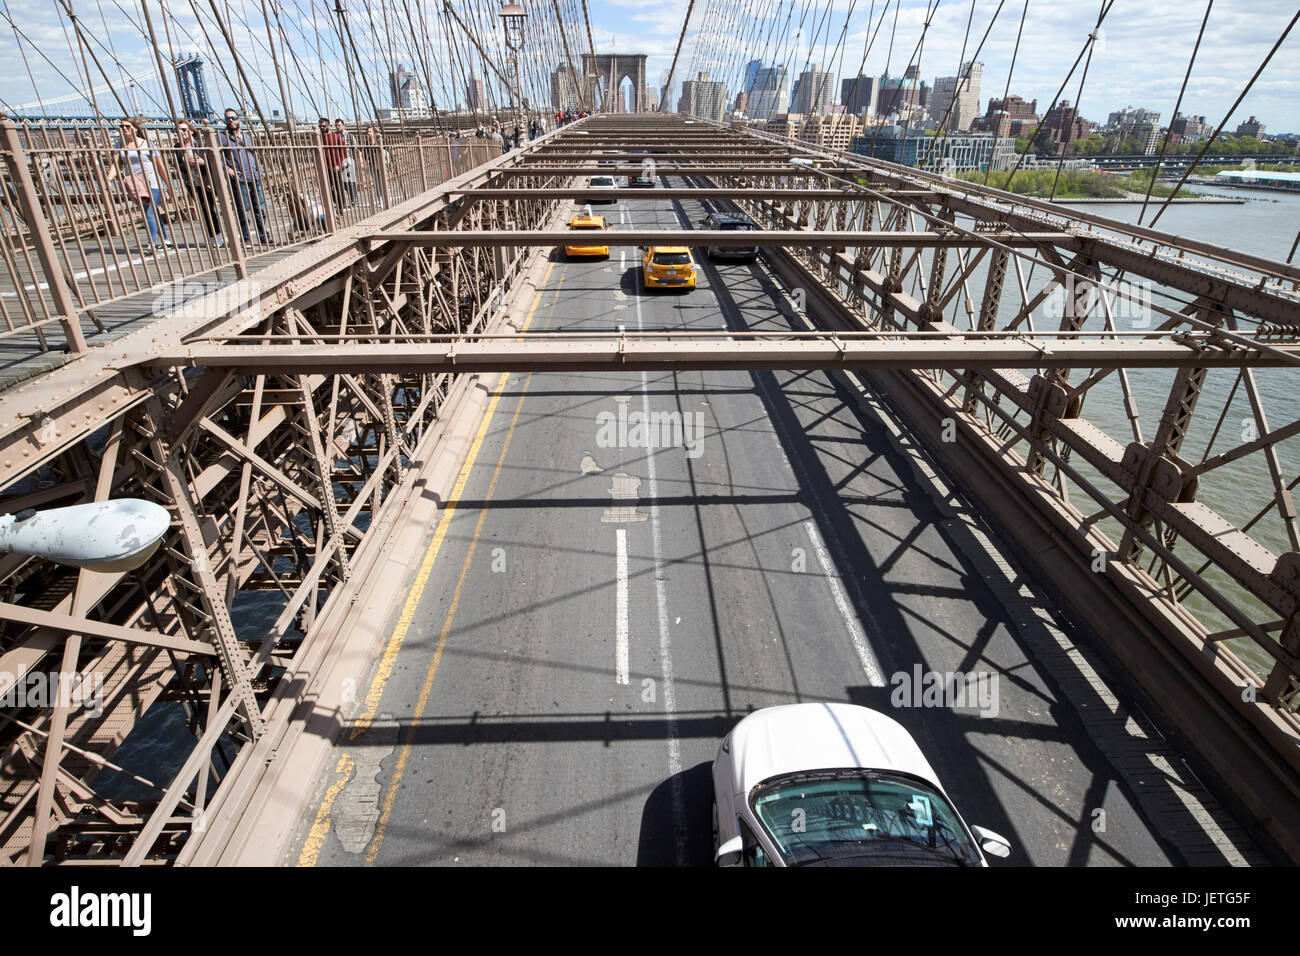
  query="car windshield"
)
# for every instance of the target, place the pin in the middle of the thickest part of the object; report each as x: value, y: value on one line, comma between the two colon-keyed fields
x: 861, y: 817
x: 602, y: 181
x: 672, y: 258
x: 737, y: 225
x: 587, y: 227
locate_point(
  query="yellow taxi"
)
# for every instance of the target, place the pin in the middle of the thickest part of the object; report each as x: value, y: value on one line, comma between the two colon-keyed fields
x: 668, y: 267
x: 586, y: 222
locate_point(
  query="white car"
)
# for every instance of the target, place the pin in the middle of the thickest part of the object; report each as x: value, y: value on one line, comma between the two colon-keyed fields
x: 835, y: 785
x: 602, y: 182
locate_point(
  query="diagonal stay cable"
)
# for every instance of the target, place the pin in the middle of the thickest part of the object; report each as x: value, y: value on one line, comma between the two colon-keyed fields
x: 1227, y: 116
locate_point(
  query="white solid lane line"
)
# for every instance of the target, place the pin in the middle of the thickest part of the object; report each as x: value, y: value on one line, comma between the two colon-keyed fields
x: 875, y: 675
x: 620, y: 608
x: 668, y: 689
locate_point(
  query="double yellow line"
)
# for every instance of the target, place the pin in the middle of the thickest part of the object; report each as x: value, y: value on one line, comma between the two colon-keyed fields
x: 315, y: 840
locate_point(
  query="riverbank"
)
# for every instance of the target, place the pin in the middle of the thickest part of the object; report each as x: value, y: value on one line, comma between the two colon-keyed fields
x: 1132, y: 198
x: 1074, y: 185
x: 1227, y: 184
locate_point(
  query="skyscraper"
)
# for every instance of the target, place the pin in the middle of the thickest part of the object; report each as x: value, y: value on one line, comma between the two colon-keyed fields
x: 407, y: 91
x: 474, y: 93
x: 751, y: 73
x: 860, y: 94
x: 768, y: 95
x: 703, y: 97
x: 901, y: 95
x: 564, y: 91
x: 957, y: 97
x: 816, y: 91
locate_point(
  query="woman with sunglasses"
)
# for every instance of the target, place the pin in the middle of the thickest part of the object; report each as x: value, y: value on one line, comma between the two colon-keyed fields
x: 195, y: 174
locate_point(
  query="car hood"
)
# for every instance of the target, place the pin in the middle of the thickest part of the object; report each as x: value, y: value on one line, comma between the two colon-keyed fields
x: 823, y: 736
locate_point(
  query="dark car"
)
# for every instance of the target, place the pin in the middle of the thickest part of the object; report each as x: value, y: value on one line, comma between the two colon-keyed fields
x: 643, y: 179
x: 727, y: 222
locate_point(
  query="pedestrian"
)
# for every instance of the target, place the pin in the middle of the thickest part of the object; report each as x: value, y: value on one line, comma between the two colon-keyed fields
x: 196, y: 175
x: 349, y: 161
x: 143, y: 176
x: 373, y: 151
x: 336, y: 154
x: 245, y: 174
x: 517, y: 137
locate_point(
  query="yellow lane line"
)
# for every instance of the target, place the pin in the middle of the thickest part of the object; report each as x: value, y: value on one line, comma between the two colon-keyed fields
x: 400, y: 767
x: 389, y: 659
x: 321, y: 827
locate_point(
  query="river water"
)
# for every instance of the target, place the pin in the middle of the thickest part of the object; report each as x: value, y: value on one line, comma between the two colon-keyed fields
x: 1264, y: 225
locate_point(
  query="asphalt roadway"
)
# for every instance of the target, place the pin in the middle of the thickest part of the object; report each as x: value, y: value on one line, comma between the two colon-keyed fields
x: 598, y: 614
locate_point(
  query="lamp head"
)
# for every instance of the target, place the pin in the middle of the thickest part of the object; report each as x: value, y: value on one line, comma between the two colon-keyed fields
x: 118, y: 535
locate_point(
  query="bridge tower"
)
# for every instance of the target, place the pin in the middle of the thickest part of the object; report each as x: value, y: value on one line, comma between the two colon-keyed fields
x: 194, y: 90
x: 613, y: 69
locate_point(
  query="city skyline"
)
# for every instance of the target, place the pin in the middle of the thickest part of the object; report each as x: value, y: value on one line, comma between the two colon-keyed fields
x: 1157, y: 36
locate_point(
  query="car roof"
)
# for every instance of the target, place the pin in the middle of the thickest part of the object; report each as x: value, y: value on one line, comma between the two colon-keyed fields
x: 789, y: 738
x: 581, y: 220
x: 685, y: 249
x: 730, y: 217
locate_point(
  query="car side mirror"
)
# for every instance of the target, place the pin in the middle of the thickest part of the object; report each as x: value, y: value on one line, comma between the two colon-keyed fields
x: 994, y: 844
x: 730, y: 853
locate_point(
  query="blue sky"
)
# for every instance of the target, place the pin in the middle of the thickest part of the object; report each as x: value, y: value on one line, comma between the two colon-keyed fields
x: 1139, y: 59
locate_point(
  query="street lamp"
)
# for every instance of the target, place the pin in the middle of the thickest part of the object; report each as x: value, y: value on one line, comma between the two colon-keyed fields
x: 117, y: 535
x: 512, y: 20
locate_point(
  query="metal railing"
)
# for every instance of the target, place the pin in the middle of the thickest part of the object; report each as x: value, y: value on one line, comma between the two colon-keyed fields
x: 85, y: 224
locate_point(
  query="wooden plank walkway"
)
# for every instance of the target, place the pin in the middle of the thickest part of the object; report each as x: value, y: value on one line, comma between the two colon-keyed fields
x: 21, y: 354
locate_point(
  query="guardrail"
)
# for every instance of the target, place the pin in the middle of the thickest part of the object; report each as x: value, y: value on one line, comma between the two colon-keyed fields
x: 85, y: 223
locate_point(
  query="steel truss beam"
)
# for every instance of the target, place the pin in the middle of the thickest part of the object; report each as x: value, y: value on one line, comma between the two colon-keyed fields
x: 588, y: 194
x: 726, y: 350
x: 721, y: 238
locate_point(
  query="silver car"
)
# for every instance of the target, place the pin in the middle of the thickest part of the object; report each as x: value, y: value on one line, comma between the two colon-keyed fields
x: 728, y: 222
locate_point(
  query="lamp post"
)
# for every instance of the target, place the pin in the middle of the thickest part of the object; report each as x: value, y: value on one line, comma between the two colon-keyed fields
x: 104, y: 536
x: 512, y: 20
